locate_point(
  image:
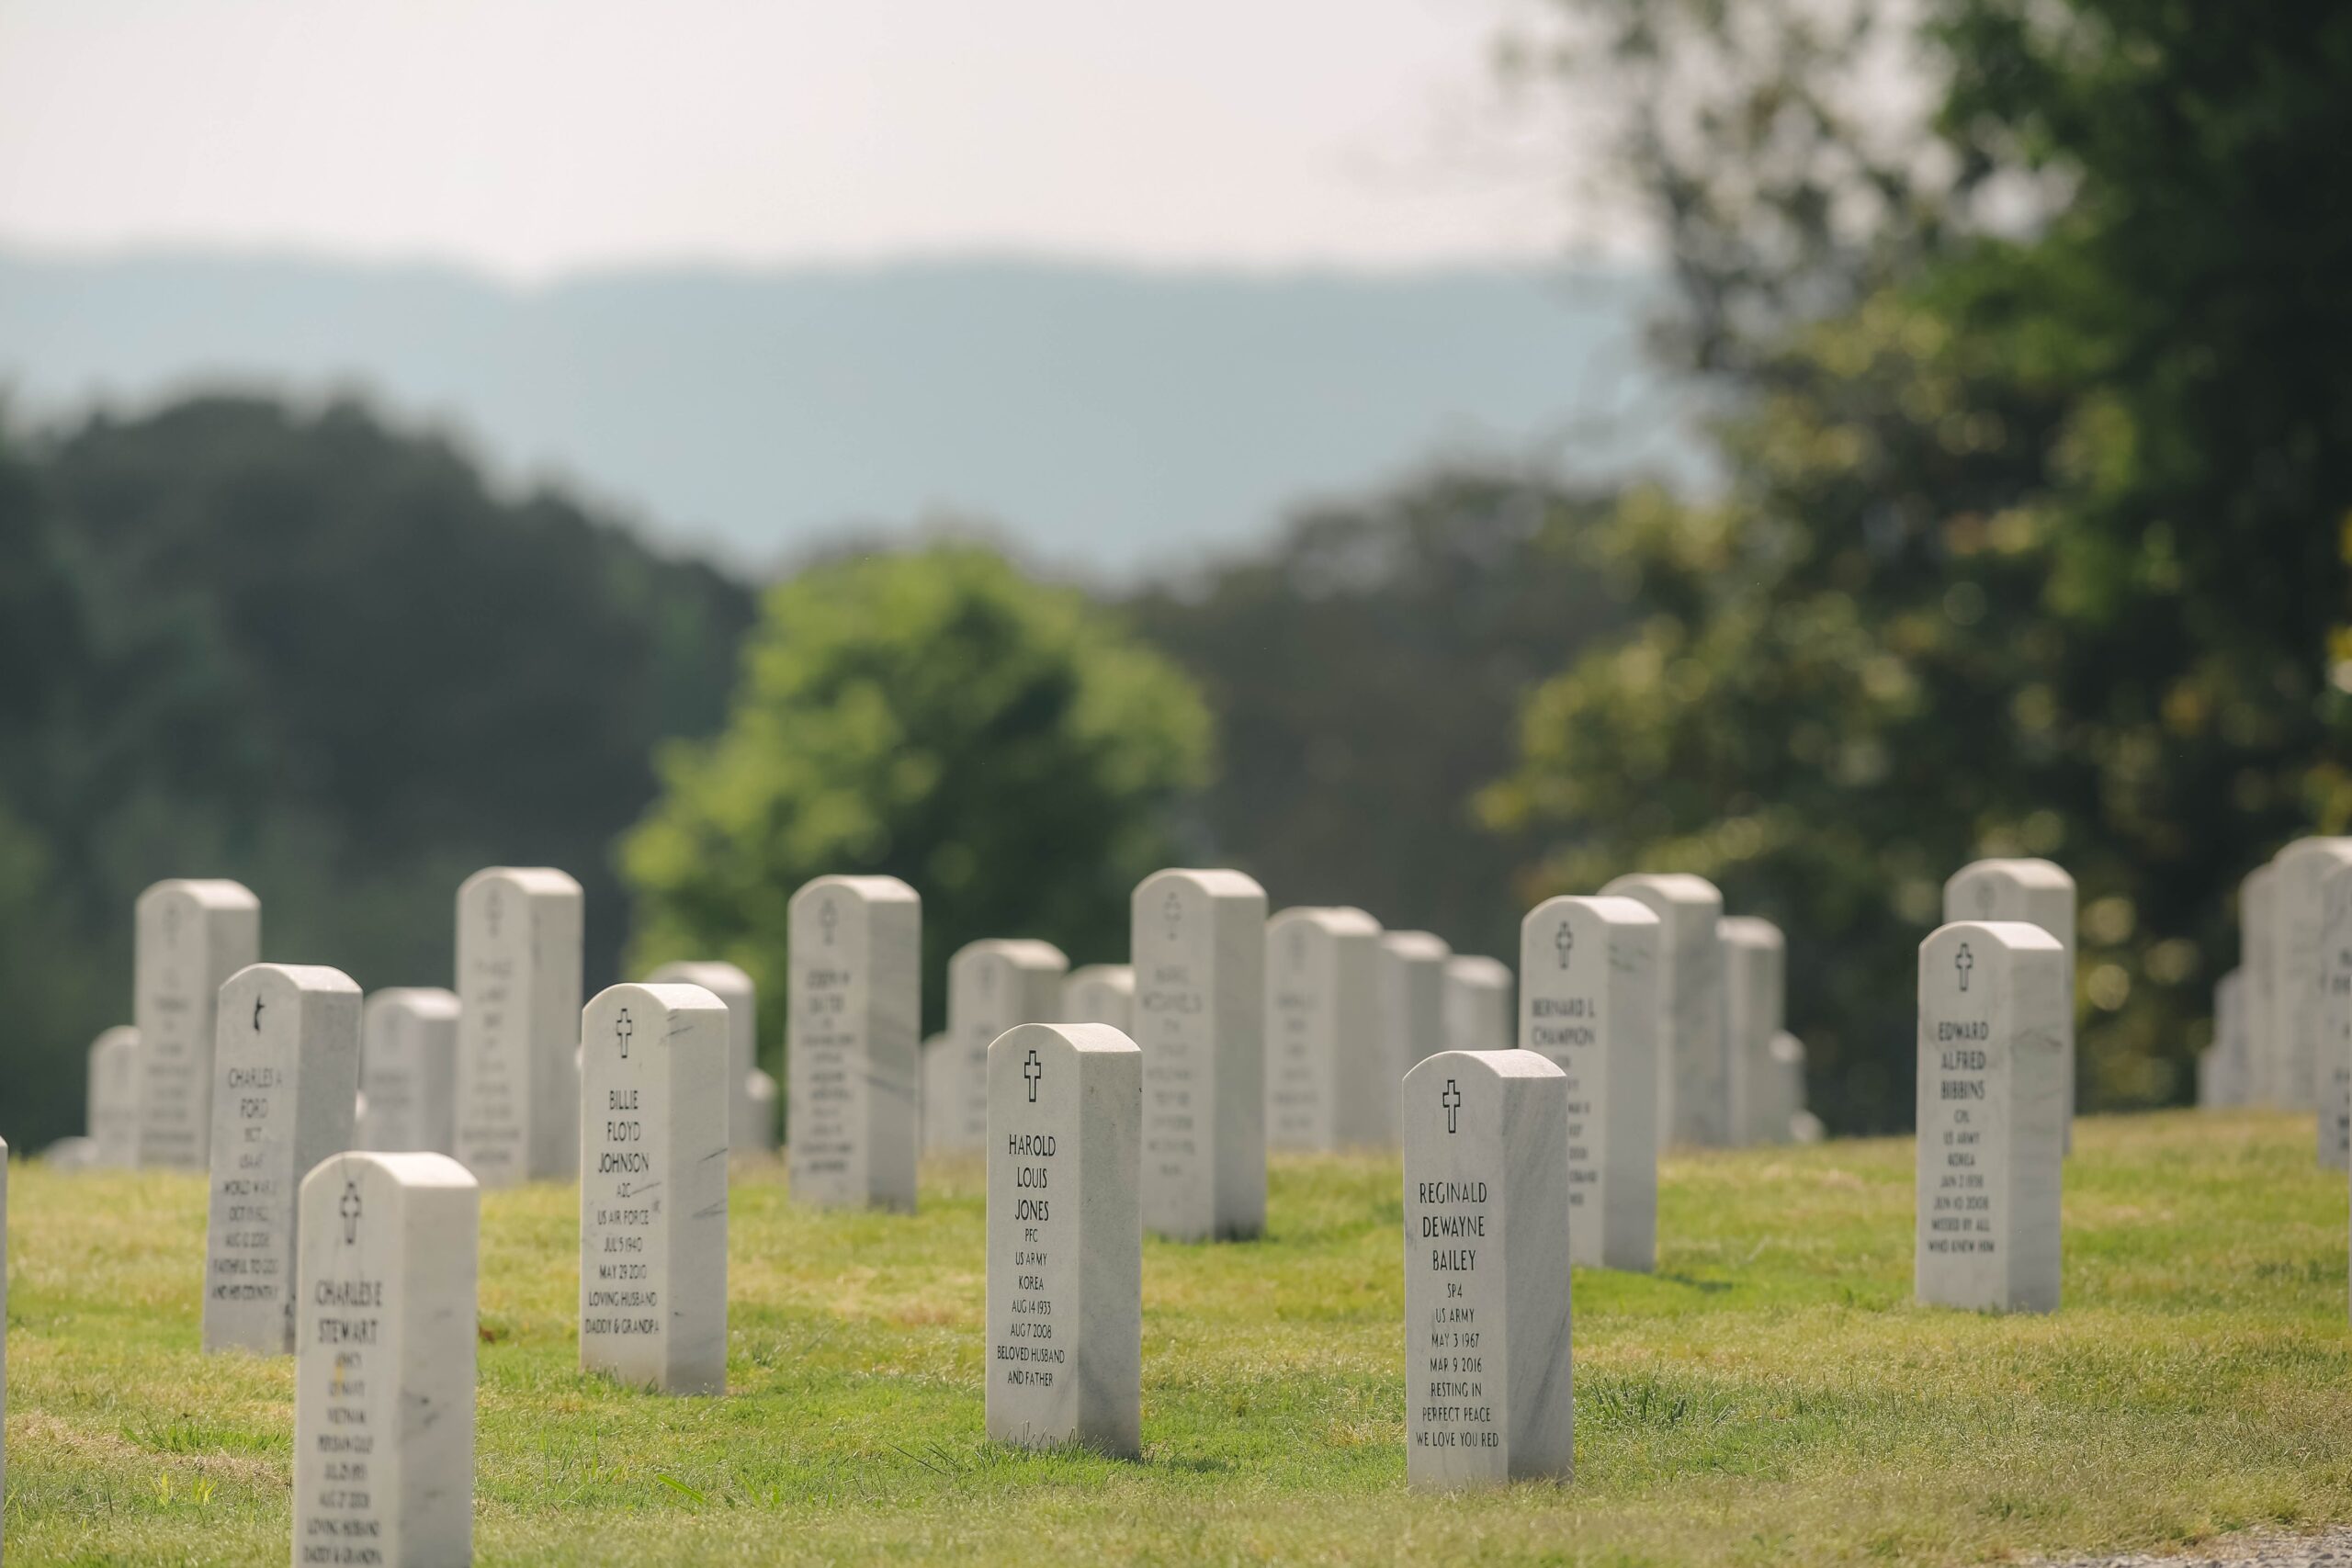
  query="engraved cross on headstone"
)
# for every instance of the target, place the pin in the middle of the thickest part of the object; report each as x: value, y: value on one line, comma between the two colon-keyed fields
x: 622, y: 1029
x: 349, y: 1209
x: 1565, y: 940
x: 257, y: 1015
x: 1172, y: 911
x: 1032, y: 1070
x: 827, y: 919
x: 494, y: 910
x: 1452, y: 1101
x: 1963, y: 961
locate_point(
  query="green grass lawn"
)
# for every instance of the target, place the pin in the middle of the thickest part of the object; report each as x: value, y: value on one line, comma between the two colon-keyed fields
x: 1771, y: 1395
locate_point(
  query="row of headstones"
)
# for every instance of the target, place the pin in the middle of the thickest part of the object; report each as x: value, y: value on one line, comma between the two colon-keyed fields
x: 1490, y: 1226
x: 2282, y: 1019
x: 477, y: 1072
x: 383, y: 1312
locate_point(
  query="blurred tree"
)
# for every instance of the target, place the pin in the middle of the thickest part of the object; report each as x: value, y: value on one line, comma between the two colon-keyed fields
x: 1004, y: 746
x: 2042, y: 464
x: 316, y: 655
x: 1366, y: 672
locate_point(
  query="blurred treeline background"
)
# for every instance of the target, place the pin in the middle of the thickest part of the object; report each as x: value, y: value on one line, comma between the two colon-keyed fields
x: 2034, y: 408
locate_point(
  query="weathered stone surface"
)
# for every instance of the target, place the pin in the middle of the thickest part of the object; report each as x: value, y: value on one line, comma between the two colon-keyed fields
x: 2266, y: 1073
x: 1479, y: 1011
x: 1101, y: 993
x: 1785, y: 1094
x: 1328, y: 1085
x: 1488, y: 1394
x: 2222, y: 1068
x: 1756, y: 966
x: 408, y: 1071
x: 855, y: 1106
x: 747, y: 1134
x: 191, y: 936
x: 384, y: 1367
x: 2040, y: 892
x: 2299, y: 983
x: 1589, y: 1003
x: 1065, y: 1237
x: 113, y: 1107
x: 1200, y: 960
x: 942, y: 1105
x: 992, y: 984
x: 1993, y: 1003
x: 519, y: 933
x: 656, y: 1061
x: 2332, y: 1047
x: 285, y: 1071
x: 1694, y: 1099
x: 1412, y: 1009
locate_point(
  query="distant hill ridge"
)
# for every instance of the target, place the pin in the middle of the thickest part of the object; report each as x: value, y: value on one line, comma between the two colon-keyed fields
x: 1106, y: 419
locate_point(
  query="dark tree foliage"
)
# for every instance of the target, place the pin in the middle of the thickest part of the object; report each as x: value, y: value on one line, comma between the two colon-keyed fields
x: 1367, y: 672
x: 2041, y: 468
x: 321, y: 656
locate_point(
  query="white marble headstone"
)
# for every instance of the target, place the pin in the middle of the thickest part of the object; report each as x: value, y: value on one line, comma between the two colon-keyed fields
x: 1412, y: 1009
x: 384, y: 1362
x: 2264, y: 1076
x: 1065, y: 1237
x: 519, y: 934
x: 1694, y: 1078
x: 992, y: 984
x: 2222, y: 1068
x: 1754, y: 1007
x: 408, y: 1070
x: 1785, y: 1091
x: 1479, y: 1014
x: 746, y: 1133
x: 2299, y: 982
x: 1101, y: 993
x: 113, y: 1109
x: 1993, y: 1001
x: 1200, y: 959
x: 1328, y: 1085
x: 2040, y: 892
x: 1489, y: 1396
x: 191, y: 936
x: 856, y: 1022
x: 1589, y: 1003
x: 943, y: 1101
x: 653, y: 1107
x: 284, y: 1070
x: 2332, y: 1045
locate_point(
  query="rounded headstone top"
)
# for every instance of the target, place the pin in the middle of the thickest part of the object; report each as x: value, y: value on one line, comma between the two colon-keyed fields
x: 1341, y: 920
x: 206, y: 892
x: 872, y: 889
x: 1788, y: 1049
x: 1612, y: 908
x: 2017, y: 936
x: 1418, y: 946
x: 1117, y: 976
x: 669, y: 995
x: 2023, y: 872
x: 316, y: 977
x: 2312, y: 848
x: 424, y: 1001
x: 1511, y: 1064
x: 1081, y: 1037
x: 121, y: 1037
x: 540, y: 881
x: 1676, y: 888
x: 1476, y: 969
x: 1217, y: 883
x: 417, y: 1168
x: 1023, y: 952
x: 1750, y: 931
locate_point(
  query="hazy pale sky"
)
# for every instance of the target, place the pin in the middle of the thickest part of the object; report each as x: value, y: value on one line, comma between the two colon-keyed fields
x: 534, y: 137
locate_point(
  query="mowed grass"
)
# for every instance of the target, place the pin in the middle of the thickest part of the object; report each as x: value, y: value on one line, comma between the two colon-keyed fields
x: 1771, y: 1395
